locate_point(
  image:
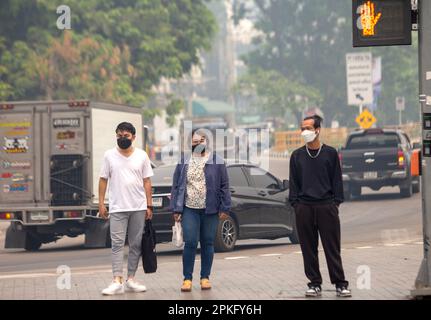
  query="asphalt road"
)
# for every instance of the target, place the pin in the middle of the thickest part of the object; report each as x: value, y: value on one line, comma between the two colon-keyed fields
x: 376, y: 218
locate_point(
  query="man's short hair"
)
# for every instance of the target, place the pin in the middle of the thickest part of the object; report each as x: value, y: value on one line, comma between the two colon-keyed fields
x: 126, y: 126
x: 317, y: 120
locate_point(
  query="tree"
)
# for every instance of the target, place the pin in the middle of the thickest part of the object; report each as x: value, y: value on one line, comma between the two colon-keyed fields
x: 400, y: 78
x: 307, y: 41
x: 174, y: 107
x: 276, y: 93
x: 117, y: 49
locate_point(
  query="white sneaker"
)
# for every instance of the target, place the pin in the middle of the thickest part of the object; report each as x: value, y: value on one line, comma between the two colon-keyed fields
x: 313, y: 291
x: 114, y: 288
x: 344, y: 292
x: 132, y: 285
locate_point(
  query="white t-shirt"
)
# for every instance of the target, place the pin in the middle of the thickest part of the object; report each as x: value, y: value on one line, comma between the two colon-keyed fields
x: 126, y: 179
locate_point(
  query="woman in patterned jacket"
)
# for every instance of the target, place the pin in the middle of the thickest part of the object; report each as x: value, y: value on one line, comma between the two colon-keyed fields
x: 200, y: 196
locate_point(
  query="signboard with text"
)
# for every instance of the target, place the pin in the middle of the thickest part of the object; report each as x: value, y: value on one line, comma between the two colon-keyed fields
x: 359, y: 69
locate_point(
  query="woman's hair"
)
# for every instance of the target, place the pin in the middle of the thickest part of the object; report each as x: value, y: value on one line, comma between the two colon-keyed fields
x: 202, y: 132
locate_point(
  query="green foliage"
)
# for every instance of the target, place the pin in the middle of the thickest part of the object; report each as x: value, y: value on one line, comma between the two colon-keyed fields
x: 174, y: 107
x: 276, y: 93
x: 117, y: 50
x: 150, y: 113
x: 400, y: 78
x: 307, y: 41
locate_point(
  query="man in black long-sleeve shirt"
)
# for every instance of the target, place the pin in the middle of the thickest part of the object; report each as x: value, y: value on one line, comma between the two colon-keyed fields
x: 316, y: 192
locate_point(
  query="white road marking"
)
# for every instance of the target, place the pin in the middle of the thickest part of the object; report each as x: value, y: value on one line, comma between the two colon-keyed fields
x: 39, y: 275
x: 271, y: 255
x: 236, y: 258
x: 29, y: 275
x: 365, y: 247
x: 393, y: 244
x: 419, y: 242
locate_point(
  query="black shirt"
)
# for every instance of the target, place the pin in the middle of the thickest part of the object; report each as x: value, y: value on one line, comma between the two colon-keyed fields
x: 316, y: 180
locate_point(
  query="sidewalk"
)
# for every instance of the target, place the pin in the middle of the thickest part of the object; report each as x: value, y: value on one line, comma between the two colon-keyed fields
x: 393, y: 269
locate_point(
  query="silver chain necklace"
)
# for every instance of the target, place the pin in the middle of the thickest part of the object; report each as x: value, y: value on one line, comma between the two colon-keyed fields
x: 318, y: 152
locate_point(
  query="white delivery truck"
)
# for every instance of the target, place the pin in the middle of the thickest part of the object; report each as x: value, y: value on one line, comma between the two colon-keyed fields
x: 50, y: 159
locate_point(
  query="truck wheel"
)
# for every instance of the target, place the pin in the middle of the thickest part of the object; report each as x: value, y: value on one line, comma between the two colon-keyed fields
x: 417, y: 187
x: 293, y: 237
x: 406, y: 191
x: 32, y: 243
x: 227, y: 234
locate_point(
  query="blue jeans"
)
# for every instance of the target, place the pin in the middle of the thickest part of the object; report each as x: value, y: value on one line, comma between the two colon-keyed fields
x: 198, y: 226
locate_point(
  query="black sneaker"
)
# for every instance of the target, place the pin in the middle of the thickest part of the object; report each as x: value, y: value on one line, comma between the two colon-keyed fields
x: 343, y: 292
x: 313, y: 291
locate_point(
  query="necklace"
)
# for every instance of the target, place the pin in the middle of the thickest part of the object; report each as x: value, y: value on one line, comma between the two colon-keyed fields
x: 318, y: 152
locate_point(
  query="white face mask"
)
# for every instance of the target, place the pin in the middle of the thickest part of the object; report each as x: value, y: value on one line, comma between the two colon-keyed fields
x: 308, y: 135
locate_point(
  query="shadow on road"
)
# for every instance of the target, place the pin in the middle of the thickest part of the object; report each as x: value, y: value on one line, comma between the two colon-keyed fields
x: 163, y: 249
x: 239, y: 248
x: 52, y: 249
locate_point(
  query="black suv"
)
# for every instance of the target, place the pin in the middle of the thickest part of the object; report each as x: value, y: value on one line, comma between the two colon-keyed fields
x: 376, y: 158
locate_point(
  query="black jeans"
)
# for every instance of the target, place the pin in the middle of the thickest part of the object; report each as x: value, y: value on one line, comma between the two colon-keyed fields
x: 312, y: 220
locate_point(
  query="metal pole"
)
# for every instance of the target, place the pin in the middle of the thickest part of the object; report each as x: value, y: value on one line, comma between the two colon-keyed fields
x: 423, y: 280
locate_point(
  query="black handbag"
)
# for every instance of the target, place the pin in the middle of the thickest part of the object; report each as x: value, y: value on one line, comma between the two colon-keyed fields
x: 149, y: 256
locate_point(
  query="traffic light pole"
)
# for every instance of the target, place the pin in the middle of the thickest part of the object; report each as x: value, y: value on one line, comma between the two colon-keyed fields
x: 423, y: 280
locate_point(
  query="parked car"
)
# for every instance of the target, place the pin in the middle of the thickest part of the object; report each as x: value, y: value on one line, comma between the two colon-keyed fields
x: 260, y: 208
x: 376, y: 158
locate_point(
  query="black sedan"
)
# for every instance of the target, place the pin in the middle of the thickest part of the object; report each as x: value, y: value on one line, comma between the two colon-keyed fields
x: 260, y: 208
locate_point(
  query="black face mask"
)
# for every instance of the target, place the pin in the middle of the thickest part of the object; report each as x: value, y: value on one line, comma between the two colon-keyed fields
x: 199, y: 148
x: 124, y: 143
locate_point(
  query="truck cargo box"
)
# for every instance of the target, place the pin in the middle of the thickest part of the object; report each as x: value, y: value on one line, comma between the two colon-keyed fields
x: 51, y: 154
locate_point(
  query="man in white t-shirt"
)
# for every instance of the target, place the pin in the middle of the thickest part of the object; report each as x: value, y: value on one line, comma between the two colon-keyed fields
x: 128, y: 170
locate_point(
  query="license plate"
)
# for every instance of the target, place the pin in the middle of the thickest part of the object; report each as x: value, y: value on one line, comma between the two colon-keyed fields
x: 39, y: 216
x: 370, y: 175
x: 157, y: 202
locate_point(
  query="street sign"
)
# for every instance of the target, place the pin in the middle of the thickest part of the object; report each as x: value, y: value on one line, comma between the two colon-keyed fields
x: 359, y: 67
x: 400, y: 103
x: 366, y: 119
x: 381, y: 22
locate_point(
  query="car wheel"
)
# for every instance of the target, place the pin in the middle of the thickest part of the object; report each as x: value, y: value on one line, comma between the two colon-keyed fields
x: 227, y: 234
x: 32, y: 243
x: 417, y: 187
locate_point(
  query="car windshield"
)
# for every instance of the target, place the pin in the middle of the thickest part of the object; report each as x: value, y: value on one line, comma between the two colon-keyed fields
x: 163, y: 175
x: 369, y: 141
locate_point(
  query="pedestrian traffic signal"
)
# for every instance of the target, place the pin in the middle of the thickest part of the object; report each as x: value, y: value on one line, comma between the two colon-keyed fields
x: 381, y: 22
